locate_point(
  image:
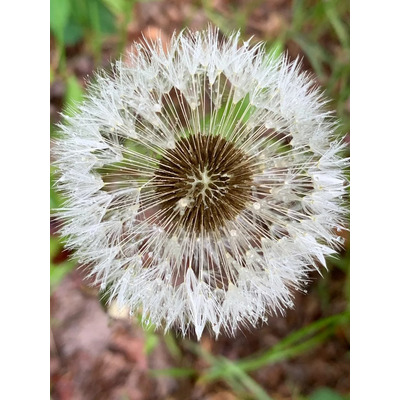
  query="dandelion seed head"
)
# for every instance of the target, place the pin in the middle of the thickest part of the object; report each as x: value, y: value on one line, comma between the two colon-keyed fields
x: 202, y: 182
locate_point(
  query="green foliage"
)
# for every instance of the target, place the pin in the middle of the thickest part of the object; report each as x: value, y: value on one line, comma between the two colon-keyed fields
x: 73, y: 20
x: 58, y: 270
x: 292, y: 345
x: 73, y: 94
x: 326, y: 394
x: 60, y: 11
x: 55, y: 198
x: 297, y: 342
x: 236, y: 373
x: 93, y: 17
x: 172, y: 346
x: 311, y: 22
x: 228, y: 117
x: 238, y: 17
x: 276, y: 47
x: 151, y: 337
x: 151, y: 342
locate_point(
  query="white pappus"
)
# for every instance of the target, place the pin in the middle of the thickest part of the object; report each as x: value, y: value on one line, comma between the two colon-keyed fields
x: 203, y: 181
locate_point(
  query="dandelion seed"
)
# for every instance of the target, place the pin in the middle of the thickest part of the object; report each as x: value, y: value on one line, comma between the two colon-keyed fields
x: 202, y: 182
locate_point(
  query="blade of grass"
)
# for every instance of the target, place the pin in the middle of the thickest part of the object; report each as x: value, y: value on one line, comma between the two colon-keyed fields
x: 336, y: 21
x: 298, y: 15
x: 315, y: 53
x: 123, y: 11
x: 94, y: 17
x: 219, y: 371
x: 228, y: 371
x: 73, y: 95
x: 174, y: 372
x: 59, y: 270
x: 289, y: 347
x: 333, y: 320
x: 216, y: 18
x: 59, y: 15
x: 235, y: 374
x: 172, y: 346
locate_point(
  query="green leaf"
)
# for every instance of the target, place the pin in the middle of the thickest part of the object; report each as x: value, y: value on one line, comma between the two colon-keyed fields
x: 96, y: 18
x: 326, y: 394
x: 55, y: 198
x: 276, y: 48
x: 73, y: 94
x: 116, y: 7
x: 59, y: 14
x: 55, y: 246
x: 73, y: 33
x: 150, y: 343
x: 58, y: 271
x: 229, y: 117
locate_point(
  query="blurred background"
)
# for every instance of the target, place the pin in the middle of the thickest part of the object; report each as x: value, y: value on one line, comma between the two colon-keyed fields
x: 96, y: 351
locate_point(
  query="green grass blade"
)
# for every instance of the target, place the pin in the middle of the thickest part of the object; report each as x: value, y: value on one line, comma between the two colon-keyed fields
x: 235, y: 374
x: 73, y: 95
x: 293, y: 345
x: 172, y: 346
x: 315, y: 53
x: 290, y: 346
x: 337, y: 23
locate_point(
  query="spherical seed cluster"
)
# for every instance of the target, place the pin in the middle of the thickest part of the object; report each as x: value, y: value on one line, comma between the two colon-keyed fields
x: 203, y: 182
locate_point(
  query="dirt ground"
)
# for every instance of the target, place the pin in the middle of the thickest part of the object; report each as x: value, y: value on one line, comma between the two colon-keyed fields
x: 95, y: 355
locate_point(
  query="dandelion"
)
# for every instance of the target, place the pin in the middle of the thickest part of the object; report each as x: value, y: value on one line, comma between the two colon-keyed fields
x: 202, y: 182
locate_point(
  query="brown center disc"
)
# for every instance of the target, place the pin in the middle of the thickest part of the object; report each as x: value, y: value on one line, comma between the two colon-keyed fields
x: 202, y: 183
